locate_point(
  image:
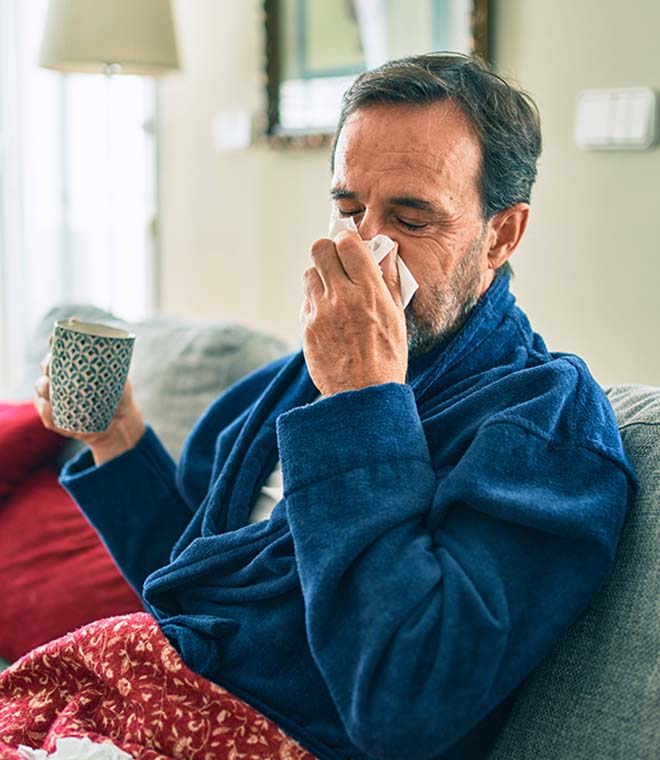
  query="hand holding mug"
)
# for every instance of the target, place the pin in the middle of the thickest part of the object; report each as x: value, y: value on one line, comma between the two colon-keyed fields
x: 83, y: 392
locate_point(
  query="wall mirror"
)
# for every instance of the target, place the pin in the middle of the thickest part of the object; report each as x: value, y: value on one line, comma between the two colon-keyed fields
x: 315, y: 48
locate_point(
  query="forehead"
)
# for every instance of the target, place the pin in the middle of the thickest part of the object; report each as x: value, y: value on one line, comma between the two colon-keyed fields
x: 409, y: 148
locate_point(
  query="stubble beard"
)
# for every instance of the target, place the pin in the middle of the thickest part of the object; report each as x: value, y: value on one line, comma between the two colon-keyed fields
x: 449, y: 305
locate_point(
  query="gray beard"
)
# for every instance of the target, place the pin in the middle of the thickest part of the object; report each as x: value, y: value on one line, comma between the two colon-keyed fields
x: 450, y: 306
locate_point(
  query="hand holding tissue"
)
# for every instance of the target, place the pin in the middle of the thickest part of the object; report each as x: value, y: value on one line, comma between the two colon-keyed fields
x: 354, y: 323
x: 379, y: 247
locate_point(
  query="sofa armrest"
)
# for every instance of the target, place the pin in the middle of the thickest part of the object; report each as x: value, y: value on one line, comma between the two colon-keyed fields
x: 596, y: 694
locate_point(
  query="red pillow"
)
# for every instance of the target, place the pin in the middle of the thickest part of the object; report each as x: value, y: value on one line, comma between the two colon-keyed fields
x: 25, y: 444
x: 55, y: 574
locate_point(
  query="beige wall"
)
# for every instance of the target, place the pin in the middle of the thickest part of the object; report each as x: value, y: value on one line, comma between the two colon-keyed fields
x: 588, y: 272
x: 236, y: 226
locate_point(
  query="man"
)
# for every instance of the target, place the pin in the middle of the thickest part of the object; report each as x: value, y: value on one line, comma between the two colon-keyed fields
x: 452, y: 500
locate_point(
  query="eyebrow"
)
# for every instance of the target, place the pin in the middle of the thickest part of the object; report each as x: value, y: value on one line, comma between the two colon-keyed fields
x: 341, y: 193
x: 411, y: 202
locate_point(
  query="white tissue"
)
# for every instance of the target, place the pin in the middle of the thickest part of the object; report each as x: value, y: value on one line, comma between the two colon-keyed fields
x: 72, y: 748
x: 379, y: 246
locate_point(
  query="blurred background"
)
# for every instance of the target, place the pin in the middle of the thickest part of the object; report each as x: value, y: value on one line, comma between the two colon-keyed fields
x: 195, y: 186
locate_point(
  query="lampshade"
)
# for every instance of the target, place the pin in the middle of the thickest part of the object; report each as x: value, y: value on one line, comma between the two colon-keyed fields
x: 109, y: 36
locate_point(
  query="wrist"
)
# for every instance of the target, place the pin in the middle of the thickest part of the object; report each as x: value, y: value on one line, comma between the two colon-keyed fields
x: 122, y: 436
x: 358, y: 386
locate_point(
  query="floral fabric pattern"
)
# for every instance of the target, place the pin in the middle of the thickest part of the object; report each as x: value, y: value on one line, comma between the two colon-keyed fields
x: 120, y: 680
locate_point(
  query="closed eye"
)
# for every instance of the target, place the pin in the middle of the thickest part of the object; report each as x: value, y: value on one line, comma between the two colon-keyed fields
x: 406, y: 225
x: 410, y: 226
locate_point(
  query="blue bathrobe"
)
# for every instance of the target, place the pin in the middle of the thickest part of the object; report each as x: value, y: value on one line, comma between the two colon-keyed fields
x: 434, y: 541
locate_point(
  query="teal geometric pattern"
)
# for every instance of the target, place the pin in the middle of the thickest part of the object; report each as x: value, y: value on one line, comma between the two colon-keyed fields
x: 87, y: 378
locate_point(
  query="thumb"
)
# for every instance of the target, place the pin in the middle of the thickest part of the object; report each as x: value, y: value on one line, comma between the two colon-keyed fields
x: 390, y: 272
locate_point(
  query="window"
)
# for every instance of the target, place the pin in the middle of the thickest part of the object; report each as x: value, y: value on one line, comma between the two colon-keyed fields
x: 77, y: 188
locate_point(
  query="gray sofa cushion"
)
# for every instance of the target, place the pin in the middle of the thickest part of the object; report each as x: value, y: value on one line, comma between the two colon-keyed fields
x: 598, y: 694
x: 179, y: 367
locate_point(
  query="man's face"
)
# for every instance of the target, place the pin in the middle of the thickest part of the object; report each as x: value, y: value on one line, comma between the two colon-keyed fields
x: 412, y: 173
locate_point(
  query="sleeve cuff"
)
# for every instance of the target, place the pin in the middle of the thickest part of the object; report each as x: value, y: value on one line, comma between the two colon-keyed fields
x: 347, y: 431
x: 84, y: 480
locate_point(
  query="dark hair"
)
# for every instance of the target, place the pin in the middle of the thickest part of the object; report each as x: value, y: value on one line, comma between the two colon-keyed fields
x: 505, y: 118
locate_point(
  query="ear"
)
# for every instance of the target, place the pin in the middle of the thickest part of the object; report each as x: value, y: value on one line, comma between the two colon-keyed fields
x: 506, y: 230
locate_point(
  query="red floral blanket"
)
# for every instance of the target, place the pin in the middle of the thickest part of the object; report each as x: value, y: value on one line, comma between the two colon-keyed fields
x: 119, y: 679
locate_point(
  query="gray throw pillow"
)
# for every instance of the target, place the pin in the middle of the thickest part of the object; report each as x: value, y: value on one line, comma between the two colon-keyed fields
x: 179, y: 367
x: 597, y: 695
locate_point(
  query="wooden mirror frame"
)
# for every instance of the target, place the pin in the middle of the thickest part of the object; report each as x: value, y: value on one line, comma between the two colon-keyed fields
x: 274, y: 134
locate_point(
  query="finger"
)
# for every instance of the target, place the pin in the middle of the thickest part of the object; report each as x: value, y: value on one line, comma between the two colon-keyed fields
x: 45, y: 365
x: 42, y: 388
x: 313, y: 286
x: 390, y: 270
x: 306, y: 312
x: 327, y: 263
x: 45, y: 411
x: 355, y: 257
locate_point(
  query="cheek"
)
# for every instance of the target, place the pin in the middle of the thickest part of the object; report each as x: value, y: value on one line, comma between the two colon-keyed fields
x: 428, y: 258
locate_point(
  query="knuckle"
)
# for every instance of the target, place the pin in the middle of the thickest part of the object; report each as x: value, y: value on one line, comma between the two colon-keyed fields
x: 347, y: 240
x: 339, y: 305
x: 312, y: 282
x: 40, y: 406
x: 321, y: 246
x: 308, y: 275
x: 322, y: 308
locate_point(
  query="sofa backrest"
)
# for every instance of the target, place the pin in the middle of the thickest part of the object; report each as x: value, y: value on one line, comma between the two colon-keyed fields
x: 597, y: 695
x: 179, y: 366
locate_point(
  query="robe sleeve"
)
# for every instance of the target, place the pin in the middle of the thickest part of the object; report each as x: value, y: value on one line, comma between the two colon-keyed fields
x: 133, y: 503
x: 430, y: 594
x: 141, y: 503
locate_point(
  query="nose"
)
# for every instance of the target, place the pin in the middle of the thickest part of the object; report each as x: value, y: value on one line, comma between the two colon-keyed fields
x: 369, y: 225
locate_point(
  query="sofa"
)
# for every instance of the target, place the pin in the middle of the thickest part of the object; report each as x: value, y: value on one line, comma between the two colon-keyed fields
x: 597, y: 695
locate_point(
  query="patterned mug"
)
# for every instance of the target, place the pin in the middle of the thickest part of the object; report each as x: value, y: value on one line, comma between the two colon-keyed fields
x: 88, y: 370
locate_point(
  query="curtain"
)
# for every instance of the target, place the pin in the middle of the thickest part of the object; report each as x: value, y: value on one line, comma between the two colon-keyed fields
x: 77, y: 188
